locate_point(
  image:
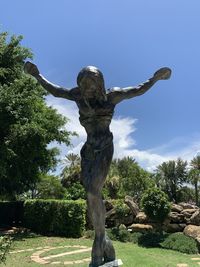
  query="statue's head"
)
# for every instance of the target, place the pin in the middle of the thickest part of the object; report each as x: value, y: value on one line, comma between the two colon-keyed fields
x: 91, y: 82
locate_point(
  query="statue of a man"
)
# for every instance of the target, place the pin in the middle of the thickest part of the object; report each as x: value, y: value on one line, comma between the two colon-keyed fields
x: 96, y: 107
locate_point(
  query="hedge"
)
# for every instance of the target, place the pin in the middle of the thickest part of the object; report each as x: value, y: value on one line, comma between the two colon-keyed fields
x: 55, y: 217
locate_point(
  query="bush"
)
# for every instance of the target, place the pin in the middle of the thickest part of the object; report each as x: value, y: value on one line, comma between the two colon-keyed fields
x: 135, y: 237
x: 62, y: 218
x: 11, y: 213
x: 155, y: 204
x: 180, y: 242
x: 151, y: 240
x: 121, y: 235
x: 5, y: 243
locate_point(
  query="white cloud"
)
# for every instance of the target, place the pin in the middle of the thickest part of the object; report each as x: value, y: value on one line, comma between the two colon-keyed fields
x: 123, y: 129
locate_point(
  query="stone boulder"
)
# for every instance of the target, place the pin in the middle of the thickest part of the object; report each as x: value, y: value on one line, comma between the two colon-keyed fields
x: 187, y: 213
x: 176, y: 208
x: 193, y: 231
x: 142, y: 228
x: 195, y: 218
x: 113, y: 219
x: 176, y: 217
x: 141, y: 218
x: 129, y: 201
x: 187, y: 205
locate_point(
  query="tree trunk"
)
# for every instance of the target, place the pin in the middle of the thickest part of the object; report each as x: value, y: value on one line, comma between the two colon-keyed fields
x: 196, y: 193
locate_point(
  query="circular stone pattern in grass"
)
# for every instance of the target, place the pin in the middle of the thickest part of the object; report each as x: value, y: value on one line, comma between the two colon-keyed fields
x: 72, y: 255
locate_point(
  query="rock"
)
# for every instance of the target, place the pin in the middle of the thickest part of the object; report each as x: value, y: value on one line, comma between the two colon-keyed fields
x: 173, y: 227
x: 128, y: 219
x: 190, y: 211
x: 142, y: 228
x: 176, y: 217
x: 192, y: 231
x: 110, y: 213
x: 132, y: 205
x: 187, y: 205
x: 176, y: 208
x: 141, y: 217
x: 113, y: 219
x: 195, y: 218
x: 186, y: 214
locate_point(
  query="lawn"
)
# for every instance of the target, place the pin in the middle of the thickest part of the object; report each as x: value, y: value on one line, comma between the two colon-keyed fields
x: 131, y: 254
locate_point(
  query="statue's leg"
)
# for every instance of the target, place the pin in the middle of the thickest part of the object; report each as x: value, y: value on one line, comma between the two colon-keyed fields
x: 94, y: 172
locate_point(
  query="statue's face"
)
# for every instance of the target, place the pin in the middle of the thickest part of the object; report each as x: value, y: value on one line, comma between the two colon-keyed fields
x: 89, y: 86
x: 91, y: 83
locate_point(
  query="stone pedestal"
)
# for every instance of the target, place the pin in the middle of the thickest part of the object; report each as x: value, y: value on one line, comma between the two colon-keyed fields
x: 114, y: 263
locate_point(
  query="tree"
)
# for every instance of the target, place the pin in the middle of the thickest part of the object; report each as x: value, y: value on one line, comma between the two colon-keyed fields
x: 71, y: 177
x: 27, y: 124
x: 126, y: 177
x: 194, y: 176
x: 171, y: 176
x: 112, y: 184
x: 48, y: 187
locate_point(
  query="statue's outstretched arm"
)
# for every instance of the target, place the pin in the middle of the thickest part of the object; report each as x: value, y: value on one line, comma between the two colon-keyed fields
x: 55, y: 90
x: 129, y: 92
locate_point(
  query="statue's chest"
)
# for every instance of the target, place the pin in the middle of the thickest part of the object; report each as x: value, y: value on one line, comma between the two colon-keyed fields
x: 95, y: 109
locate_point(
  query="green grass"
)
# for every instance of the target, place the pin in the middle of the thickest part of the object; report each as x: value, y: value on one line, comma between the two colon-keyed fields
x: 131, y: 254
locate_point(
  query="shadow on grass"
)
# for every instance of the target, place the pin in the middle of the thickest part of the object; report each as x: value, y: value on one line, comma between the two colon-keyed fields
x: 21, y: 236
x: 17, y: 233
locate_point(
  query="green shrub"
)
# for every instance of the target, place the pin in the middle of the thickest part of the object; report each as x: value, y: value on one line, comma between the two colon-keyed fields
x: 121, y: 235
x: 151, y: 239
x: 5, y: 243
x: 11, y: 213
x: 62, y: 218
x: 155, y: 204
x: 180, y: 242
x: 135, y: 237
x: 112, y: 233
x: 121, y: 208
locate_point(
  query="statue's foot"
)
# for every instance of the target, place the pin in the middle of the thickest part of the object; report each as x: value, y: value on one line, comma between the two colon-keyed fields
x: 109, y: 251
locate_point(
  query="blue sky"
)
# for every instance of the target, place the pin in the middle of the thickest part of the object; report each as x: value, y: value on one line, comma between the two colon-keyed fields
x: 128, y: 40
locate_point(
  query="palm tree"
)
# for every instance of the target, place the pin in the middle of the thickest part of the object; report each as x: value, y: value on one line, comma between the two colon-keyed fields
x: 172, y: 175
x: 72, y: 159
x: 194, y: 176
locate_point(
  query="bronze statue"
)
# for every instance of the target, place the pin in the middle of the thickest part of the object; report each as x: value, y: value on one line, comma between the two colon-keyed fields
x: 96, y: 107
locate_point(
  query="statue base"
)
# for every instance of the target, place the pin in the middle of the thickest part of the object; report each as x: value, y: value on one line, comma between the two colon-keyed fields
x: 114, y: 263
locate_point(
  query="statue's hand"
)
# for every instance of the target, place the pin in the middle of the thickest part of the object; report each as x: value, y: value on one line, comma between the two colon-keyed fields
x: 162, y: 74
x: 31, y: 69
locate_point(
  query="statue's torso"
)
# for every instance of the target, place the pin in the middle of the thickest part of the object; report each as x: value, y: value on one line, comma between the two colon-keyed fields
x: 96, y: 117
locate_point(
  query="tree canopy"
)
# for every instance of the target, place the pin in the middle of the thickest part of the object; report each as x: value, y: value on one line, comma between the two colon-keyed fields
x: 27, y: 124
x: 171, y: 176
